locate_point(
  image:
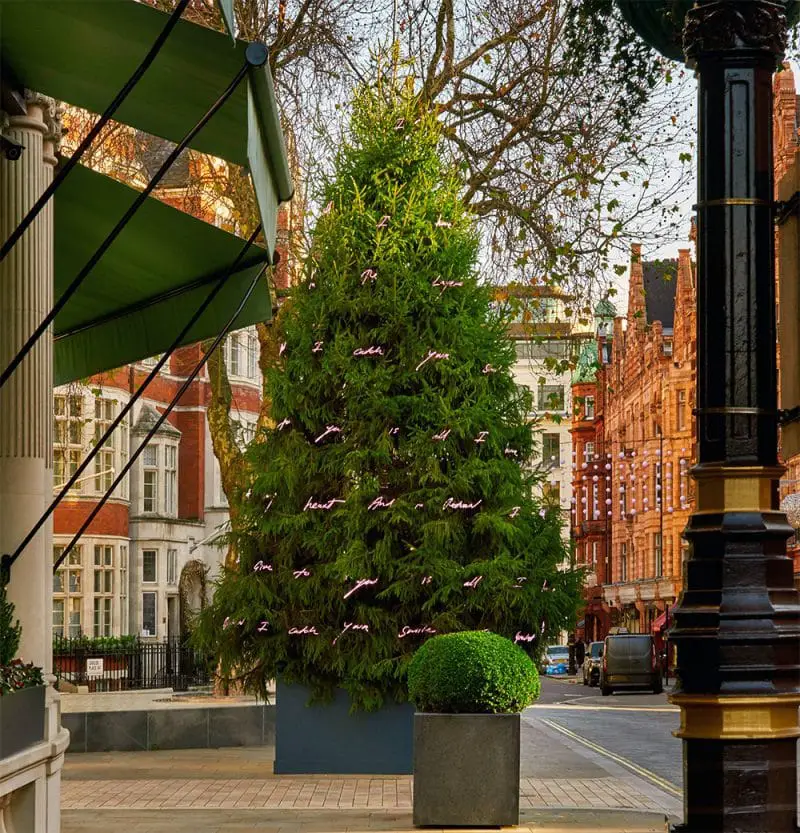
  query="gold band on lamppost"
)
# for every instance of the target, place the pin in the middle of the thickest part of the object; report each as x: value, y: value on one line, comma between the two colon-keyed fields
x: 737, y: 488
x: 732, y: 717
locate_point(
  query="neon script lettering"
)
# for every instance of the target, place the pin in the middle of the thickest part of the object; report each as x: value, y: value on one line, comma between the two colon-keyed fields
x: 481, y: 438
x: 328, y: 504
x: 452, y: 503
x: 427, y: 579
x: 514, y: 512
x: 302, y: 573
x: 473, y: 582
x: 440, y: 223
x: 351, y: 626
x: 362, y: 582
x: 262, y: 567
x: 487, y: 369
x: 372, y: 350
x: 393, y: 432
x: 409, y: 631
x: 282, y: 348
x: 329, y: 429
x: 384, y: 221
x: 445, y: 285
x: 380, y: 503
x: 262, y: 627
x: 525, y: 637
x: 510, y: 452
x: 306, y: 630
x: 368, y: 275
x: 284, y: 423
x: 432, y: 354
x: 441, y: 436
x: 317, y: 348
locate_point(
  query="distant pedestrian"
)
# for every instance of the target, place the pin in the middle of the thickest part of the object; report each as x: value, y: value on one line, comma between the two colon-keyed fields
x: 580, y: 653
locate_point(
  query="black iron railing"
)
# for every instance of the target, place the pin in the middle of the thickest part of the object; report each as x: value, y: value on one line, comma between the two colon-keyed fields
x: 129, y: 663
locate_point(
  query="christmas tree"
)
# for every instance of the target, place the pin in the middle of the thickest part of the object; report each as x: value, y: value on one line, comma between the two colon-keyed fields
x: 392, y: 499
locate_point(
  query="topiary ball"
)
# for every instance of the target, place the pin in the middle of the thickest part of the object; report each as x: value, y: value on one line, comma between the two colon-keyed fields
x: 472, y: 672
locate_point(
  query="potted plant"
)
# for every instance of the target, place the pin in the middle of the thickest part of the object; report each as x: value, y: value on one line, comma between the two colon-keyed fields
x: 21, y: 689
x: 469, y: 689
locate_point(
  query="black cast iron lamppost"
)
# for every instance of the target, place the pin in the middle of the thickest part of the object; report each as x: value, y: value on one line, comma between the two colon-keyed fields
x: 737, y: 625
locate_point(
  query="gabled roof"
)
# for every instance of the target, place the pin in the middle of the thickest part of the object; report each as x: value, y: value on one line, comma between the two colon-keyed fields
x: 148, y: 417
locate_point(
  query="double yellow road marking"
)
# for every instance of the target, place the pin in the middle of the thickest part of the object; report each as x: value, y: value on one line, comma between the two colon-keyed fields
x: 660, y: 782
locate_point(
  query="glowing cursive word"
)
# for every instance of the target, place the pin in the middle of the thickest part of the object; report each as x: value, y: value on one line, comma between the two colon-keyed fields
x: 399, y: 124
x: 362, y: 582
x: 329, y: 429
x: 384, y: 221
x: 473, y: 582
x: 317, y: 348
x: 446, y: 284
x: 328, y: 504
x: 451, y: 503
x: 260, y: 567
x: 351, y: 626
x: 426, y: 579
x: 393, y: 432
x: 510, y: 452
x: 380, y: 503
x: 368, y: 275
x: 271, y: 501
x: 525, y: 637
x: 419, y: 505
x: 521, y: 579
x: 306, y: 630
x: 514, y: 512
x: 228, y: 622
x: 328, y: 208
x: 262, y: 627
x: 442, y: 435
x: 487, y: 368
x: 440, y: 223
x: 284, y: 423
x: 372, y: 350
x: 408, y: 631
x: 282, y: 348
x: 432, y: 354
x: 304, y: 572
x: 481, y: 438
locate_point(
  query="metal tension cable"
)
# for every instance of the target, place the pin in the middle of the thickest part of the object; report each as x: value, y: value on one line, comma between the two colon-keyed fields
x: 112, y: 108
x: 8, y: 560
x: 152, y: 432
x: 255, y: 55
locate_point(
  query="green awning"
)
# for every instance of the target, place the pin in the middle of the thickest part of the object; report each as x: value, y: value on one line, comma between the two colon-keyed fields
x: 148, y: 284
x: 83, y: 51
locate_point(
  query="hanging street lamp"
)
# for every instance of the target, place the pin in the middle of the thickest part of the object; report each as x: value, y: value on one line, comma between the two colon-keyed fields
x: 737, y: 624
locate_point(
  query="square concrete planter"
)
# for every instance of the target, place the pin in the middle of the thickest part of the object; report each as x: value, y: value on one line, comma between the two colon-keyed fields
x: 466, y: 770
x: 21, y: 720
x: 328, y: 739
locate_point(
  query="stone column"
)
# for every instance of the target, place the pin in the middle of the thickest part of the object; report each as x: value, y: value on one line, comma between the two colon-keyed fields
x: 26, y: 414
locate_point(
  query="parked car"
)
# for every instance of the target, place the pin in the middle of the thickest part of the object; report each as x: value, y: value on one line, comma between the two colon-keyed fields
x: 556, y: 660
x: 592, y: 663
x: 630, y: 661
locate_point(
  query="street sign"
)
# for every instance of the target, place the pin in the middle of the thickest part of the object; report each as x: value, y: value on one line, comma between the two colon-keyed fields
x: 94, y: 667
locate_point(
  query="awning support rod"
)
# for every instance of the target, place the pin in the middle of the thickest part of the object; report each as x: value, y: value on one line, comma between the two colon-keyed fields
x: 152, y: 432
x: 8, y: 560
x: 256, y: 55
x: 112, y: 108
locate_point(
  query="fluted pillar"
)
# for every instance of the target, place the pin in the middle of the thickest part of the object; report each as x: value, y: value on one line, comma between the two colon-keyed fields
x: 26, y: 414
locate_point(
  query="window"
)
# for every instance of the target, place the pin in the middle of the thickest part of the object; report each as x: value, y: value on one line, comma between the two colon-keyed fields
x: 171, y: 480
x: 658, y: 553
x: 150, y: 479
x: 595, y: 498
x: 623, y: 499
x: 102, y: 616
x: 124, y: 448
x: 172, y: 566
x: 150, y: 565
x: 252, y: 355
x: 123, y: 589
x: 551, y: 397
x: 594, y: 555
x: 588, y: 406
x: 68, y: 435
x: 623, y: 562
x: 551, y: 450
x: 667, y: 348
x: 588, y: 452
x: 103, y: 569
x: 104, y: 461
x: 233, y: 355
x: 68, y: 592
x: 551, y: 494
x: 681, y: 412
x: 149, y: 614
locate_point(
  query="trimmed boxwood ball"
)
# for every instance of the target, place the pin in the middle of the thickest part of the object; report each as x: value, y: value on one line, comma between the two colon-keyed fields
x: 472, y: 672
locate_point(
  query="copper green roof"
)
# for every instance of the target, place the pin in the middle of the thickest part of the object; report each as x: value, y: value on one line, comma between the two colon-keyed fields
x: 605, y: 309
x: 586, y: 367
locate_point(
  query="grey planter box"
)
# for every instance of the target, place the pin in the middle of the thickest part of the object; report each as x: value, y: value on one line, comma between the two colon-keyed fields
x: 466, y: 770
x: 327, y: 739
x: 21, y: 720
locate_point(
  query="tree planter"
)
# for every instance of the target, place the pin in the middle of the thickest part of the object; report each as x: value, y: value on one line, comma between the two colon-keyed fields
x: 21, y: 720
x: 328, y: 739
x: 466, y: 770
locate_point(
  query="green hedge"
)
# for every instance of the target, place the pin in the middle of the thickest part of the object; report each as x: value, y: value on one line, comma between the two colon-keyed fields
x: 472, y: 672
x: 97, y: 643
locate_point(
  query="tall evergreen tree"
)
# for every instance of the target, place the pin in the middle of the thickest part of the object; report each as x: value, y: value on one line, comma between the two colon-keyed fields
x: 392, y: 499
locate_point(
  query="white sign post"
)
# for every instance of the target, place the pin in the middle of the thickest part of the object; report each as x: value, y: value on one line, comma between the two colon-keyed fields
x: 94, y: 667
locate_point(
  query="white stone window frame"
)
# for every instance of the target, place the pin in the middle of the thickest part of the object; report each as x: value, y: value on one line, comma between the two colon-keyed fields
x: 145, y: 551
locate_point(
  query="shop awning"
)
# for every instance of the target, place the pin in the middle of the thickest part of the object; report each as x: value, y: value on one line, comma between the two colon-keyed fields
x: 154, y: 276
x: 150, y: 281
x: 659, y: 623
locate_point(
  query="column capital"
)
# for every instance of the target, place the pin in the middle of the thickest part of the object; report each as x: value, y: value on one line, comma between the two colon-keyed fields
x: 733, y: 25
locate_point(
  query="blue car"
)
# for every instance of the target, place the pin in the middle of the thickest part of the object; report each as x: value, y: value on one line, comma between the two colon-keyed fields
x: 556, y: 660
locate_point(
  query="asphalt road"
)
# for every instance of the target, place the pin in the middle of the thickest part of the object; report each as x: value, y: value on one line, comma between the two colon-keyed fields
x: 633, y: 730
